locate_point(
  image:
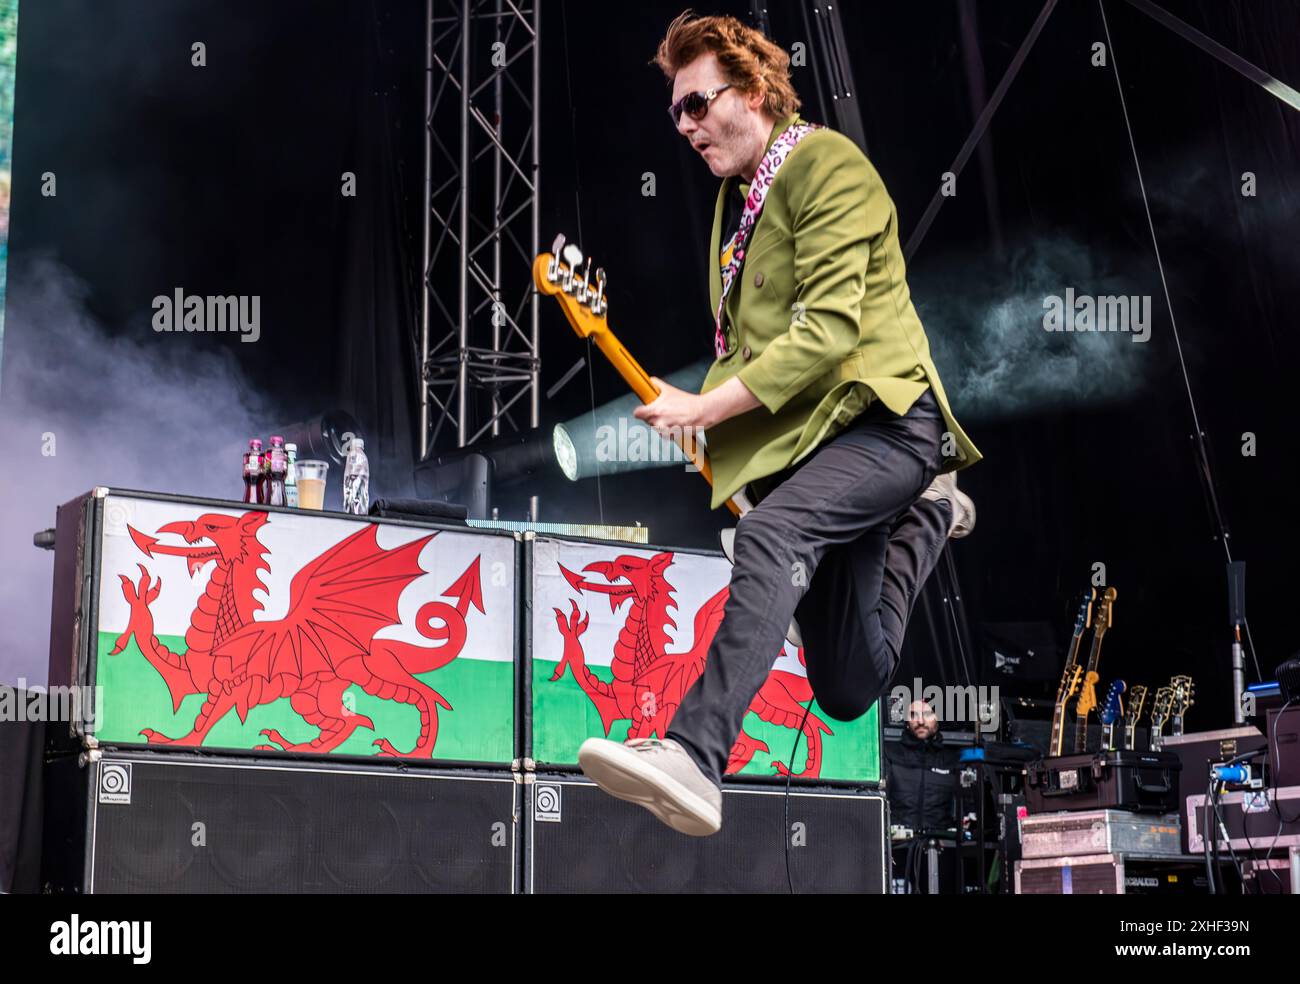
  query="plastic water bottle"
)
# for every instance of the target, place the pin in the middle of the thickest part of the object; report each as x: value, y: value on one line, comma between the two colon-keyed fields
x: 356, y: 479
x: 291, y: 477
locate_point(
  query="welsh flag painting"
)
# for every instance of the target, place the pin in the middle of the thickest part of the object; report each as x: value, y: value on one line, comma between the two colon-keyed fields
x: 620, y: 635
x: 239, y: 628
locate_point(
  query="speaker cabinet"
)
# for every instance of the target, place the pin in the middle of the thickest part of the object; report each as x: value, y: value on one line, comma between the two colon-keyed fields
x: 142, y: 822
x: 580, y: 839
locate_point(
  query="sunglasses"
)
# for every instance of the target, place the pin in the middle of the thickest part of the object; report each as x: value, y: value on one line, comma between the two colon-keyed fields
x: 695, y: 104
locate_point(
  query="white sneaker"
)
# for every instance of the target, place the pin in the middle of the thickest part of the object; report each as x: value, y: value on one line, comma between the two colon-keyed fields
x: 728, y: 540
x: 659, y: 775
x: 963, y: 509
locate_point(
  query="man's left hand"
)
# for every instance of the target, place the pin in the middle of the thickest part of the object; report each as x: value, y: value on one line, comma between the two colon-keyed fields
x: 674, y: 408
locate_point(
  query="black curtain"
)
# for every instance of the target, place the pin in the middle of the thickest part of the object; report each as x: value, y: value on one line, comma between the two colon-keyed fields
x: 377, y: 276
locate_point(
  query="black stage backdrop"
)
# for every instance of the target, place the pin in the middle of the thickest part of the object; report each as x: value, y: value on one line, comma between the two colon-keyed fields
x: 226, y: 180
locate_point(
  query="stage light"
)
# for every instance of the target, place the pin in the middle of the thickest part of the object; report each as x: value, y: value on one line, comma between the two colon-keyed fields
x: 609, y: 440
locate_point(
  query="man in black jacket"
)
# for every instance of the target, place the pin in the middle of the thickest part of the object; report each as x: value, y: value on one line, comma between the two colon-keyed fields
x: 922, y: 773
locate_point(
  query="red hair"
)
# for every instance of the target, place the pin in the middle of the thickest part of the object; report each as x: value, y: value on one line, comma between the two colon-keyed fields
x: 748, y: 59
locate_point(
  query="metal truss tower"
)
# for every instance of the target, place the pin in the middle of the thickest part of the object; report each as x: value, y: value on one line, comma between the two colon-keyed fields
x: 479, y: 311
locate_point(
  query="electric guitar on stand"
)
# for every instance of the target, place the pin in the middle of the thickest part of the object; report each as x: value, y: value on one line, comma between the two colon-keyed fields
x: 1133, y: 714
x: 1088, y: 694
x: 1070, y: 676
x: 565, y: 273
x: 1160, y: 710
x: 1184, y: 690
x: 1112, y: 711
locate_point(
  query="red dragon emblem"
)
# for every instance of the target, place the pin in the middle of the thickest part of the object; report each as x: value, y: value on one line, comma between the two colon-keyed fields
x: 325, y: 644
x: 649, y: 683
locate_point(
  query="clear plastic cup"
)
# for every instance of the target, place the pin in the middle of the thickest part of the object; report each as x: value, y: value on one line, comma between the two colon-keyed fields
x: 311, y: 483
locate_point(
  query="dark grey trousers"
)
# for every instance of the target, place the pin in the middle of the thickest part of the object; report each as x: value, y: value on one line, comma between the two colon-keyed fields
x: 843, y: 543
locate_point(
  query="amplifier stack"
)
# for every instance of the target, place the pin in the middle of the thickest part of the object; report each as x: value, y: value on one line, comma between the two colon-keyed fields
x: 288, y: 701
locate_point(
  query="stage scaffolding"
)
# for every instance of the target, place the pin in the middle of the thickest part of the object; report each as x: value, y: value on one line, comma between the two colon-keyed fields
x: 479, y: 312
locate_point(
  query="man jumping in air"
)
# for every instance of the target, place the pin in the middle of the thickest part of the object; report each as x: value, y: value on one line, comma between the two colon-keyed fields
x: 823, y: 407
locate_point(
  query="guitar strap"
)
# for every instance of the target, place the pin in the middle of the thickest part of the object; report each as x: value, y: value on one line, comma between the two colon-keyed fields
x: 733, y: 253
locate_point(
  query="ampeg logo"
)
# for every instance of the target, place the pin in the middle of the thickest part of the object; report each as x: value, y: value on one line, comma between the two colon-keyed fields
x: 546, y: 803
x: 1141, y: 881
x: 115, y: 782
x: 117, y: 514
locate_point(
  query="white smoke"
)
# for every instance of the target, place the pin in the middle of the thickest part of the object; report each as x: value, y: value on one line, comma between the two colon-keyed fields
x: 986, y: 331
x: 138, y: 411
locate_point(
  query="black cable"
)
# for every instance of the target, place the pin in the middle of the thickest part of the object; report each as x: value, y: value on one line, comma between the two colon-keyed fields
x: 1207, y: 833
x: 577, y: 204
x: 591, y: 389
x: 1259, y: 890
x: 1214, y: 853
x: 788, y: 772
x: 1245, y: 830
x: 953, y: 588
x: 1250, y: 847
x: 914, y: 864
x: 1227, y: 837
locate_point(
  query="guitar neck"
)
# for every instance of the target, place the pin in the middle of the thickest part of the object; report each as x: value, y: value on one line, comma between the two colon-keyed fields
x: 1081, y: 720
x: 627, y: 366
x: 1058, y: 712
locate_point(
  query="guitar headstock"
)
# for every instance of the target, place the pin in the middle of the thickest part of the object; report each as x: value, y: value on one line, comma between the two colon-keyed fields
x: 1137, y: 697
x: 565, y: 273
x: 1183, y: 692
x: 1084, y: 617
x: 1114, y: 707
x: 1088, y: 696
x: 1161, y: 708
x: 1070, y: 683
x: 1101, y: 619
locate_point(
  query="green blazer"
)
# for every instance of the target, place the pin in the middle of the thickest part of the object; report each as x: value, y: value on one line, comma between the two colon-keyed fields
x: 820, y: 322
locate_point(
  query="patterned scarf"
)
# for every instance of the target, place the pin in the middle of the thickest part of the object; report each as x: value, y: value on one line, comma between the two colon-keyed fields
x: 733, y: 253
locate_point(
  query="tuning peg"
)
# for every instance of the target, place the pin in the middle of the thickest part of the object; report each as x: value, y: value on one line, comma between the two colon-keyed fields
x: 553, y: 268
x: 598, y: 303
x: 584, y: 289
x: 572, y: 256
